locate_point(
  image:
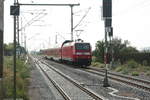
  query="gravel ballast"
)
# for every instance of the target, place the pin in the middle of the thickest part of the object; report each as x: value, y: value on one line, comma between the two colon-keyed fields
x: 95, y: 83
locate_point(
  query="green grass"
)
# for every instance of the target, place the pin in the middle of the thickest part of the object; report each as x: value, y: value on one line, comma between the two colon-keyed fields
x: 22, y: 76
x: 97, y: 64
x: 132, y: 64
x: 148, y: 73
x: 129, y: 68
x: 119, y: 69
x: 125, y: 71
x: 135, y: 73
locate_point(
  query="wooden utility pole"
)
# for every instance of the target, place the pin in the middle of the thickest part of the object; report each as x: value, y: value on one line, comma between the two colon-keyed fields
x: 1, y: 46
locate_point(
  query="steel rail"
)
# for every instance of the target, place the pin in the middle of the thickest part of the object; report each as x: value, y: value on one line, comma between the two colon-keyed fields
x: 65, y: 96
x: 125, y: 76
x: 121, y: 80
x: 92, y: 94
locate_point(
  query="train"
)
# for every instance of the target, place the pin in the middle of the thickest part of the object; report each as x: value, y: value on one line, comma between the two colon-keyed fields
x: 76, y: 53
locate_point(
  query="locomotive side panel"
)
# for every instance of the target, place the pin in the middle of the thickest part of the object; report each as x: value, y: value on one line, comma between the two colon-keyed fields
x: 53, y: 54
x: 67, y: 53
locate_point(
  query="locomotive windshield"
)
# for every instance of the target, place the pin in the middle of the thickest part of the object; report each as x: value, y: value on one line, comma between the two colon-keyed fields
x: 82, y: 46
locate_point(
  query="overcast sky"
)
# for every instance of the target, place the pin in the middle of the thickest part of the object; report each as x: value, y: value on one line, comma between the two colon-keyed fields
x: 130, y: 22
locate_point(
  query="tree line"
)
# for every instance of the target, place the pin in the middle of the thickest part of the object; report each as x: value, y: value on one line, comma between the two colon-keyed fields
x: 9, y: 49
x: 121, y: 51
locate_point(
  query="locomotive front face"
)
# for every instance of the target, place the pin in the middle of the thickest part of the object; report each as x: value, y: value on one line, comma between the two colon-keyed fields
x: 83, y: 53
x: 82, y: 46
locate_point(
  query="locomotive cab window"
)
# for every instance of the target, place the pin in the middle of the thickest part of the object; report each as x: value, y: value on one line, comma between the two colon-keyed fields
x: 82, y: 46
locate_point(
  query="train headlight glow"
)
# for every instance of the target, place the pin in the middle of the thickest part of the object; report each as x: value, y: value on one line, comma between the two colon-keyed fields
x: 82, y: 53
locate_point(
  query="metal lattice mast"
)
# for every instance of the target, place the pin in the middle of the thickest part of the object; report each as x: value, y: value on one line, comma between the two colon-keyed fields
x: 1, y: 46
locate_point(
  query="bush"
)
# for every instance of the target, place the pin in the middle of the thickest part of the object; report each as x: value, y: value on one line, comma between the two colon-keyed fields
x: 147, y: 68
x: 145, y: 63
x: 148, y: 73
x: 21, y: 76
x: 119, y: 69
x: 125, y: 71
x: 138, y: 57
x: 93, y: 58
x: 135, y: 73
x: 97, y: 64
x: 132, y: 64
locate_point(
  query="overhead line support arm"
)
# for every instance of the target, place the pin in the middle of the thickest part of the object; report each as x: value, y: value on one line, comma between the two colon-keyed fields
x: 49, y: 4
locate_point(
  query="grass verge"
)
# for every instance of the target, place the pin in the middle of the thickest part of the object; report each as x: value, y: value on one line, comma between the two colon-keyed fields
x: 129, y: 68
x: 22, y: 76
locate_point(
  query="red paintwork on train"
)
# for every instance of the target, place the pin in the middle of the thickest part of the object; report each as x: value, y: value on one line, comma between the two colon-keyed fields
x: 52, y: 53
x: 69, y: 52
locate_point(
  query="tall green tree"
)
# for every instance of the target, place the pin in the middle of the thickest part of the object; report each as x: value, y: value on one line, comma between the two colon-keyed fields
x: 118, y: 45
x: 8, y: 49
x: 146, y: 50
x: 99, y: 51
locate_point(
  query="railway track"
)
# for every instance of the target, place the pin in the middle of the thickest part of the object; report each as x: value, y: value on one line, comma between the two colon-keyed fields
x: 124, y: 76
x: 135, y: 82
x: 88, y: 92
x: 65, y: 96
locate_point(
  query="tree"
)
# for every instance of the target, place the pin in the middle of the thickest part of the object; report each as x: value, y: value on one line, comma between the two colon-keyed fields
x: 119, y: 47
x: 129, y: 49
x: 99, y: 51
x: 146, y: 50
x: 8, y: 49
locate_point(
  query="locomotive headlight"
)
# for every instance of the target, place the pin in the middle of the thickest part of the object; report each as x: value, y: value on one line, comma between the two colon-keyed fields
x: 79, y: 53
x: 86, y: 53
x: 82, y: 53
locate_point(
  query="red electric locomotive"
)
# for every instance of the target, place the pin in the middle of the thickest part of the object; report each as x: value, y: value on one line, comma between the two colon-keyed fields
x: 78, y: 53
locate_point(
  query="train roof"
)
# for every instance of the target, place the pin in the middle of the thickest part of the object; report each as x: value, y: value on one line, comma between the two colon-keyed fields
x: 66, y: 43
x: 73, y: 42
x: 50, y: 49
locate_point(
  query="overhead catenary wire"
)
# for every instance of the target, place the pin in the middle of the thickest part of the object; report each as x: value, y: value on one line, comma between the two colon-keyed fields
x: 82, y: 18
x: 80, y: 11
x: 37, y: 17
x: 28, y: 24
